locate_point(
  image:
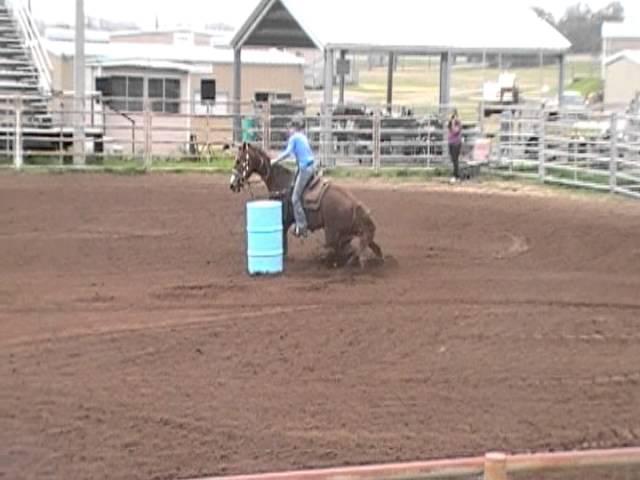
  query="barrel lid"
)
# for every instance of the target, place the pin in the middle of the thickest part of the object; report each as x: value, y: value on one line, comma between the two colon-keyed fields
x: 264, y: 203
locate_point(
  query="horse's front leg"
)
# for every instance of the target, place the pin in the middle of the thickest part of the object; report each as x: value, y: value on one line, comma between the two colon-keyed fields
x: 332, y: 247
x: 285, y: 238
x: 345, y: 251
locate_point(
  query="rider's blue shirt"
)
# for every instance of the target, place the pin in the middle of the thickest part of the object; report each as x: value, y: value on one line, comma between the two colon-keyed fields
x: 299, y: 147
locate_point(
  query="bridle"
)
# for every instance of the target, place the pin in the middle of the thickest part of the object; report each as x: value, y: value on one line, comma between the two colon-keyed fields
x: 265, y: 166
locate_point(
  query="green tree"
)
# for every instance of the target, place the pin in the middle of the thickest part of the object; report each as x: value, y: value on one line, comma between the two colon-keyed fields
x: 583, y: 27
x: 545, y: 15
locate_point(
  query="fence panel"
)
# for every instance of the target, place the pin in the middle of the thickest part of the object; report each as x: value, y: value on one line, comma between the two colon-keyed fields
x: 627, y: 159
x: 579, y: 148
x: 517, y: 149
x: 584, y: 149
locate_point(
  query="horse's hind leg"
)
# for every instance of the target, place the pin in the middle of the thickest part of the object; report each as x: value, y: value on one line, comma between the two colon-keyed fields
x: 375, y: 248
x: 356, y: 254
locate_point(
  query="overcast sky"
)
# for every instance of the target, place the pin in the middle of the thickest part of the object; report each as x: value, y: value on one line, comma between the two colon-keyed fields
x: 198, y: 12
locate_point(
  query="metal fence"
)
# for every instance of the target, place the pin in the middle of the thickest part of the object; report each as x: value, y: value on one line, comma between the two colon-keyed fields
x: 151, y: 131
x: 582, y: 148
x: 579, y: 148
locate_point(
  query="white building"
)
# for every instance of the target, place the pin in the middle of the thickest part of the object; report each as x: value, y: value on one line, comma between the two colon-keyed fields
x: 171, y: 77
x: 622, y: 78
x: 619, y: 36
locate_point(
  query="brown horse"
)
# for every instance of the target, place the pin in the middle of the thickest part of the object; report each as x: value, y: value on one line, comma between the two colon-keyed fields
x: 326, y: 205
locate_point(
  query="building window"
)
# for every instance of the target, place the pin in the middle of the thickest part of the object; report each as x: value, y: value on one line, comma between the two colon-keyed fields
x: 126, y: 93
x: 264, y: 97
x: 164, y: 94
x: 208, y: 89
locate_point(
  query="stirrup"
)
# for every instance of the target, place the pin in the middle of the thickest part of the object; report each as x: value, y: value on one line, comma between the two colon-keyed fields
x: 300, y: 232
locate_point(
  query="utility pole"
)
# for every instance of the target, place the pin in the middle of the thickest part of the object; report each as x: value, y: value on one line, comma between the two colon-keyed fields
x: 79, y: 87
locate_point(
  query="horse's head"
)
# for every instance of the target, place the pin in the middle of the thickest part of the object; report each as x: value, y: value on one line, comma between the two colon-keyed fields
x: 248, y: 161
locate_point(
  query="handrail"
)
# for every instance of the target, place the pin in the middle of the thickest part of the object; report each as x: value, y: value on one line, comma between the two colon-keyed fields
x: 33, y: 41
x: 131, y: 120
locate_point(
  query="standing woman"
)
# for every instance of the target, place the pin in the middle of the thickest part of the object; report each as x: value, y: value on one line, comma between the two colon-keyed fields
x: 455, y: 143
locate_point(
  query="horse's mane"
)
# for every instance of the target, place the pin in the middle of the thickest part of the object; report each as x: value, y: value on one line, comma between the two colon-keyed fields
x: 277, y: 169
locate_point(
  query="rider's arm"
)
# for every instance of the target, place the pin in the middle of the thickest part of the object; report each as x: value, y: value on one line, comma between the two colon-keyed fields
x: 286, y: 153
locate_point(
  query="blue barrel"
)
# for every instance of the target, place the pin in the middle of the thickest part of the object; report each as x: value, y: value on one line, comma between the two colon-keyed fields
x: 265, y: 252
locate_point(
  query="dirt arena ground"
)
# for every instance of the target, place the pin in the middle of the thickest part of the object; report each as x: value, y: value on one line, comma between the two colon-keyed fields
x: 133, y: 345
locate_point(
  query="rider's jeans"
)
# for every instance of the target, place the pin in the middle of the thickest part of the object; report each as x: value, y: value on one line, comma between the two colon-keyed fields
x: 302, y: 179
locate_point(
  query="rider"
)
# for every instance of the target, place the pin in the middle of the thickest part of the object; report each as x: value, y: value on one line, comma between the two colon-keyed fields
x: 299, y: 147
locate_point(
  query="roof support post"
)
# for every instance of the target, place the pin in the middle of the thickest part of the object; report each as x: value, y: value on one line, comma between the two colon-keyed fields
x: 561, y: 74
x: 327, y: 108
x: 343, y: 56
x: 79, y: 87
x: 484, y: 66
x: 603, y: 58
x: 541, y: 72
x: 237, y: 94
x: 445, y: 80
x: 390, y: 68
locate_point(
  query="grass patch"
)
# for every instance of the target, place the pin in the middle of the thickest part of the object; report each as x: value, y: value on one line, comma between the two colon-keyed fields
x: 586, y: 85
x: 416, y: 83
x: 389, y: 173
x: 123, y: 164
x: 579, y: 176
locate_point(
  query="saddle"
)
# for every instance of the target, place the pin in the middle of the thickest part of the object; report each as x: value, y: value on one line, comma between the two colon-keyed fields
x: 314, y: 193
x: 312, y: 197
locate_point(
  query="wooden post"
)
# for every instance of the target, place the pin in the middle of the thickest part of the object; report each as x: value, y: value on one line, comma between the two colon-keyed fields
x: 133, y: 139
x: 376, y: 141
x: 18, y: 158
x: 148, y: 136
x: 266, y: 127
x: 541, y: 146
x: 613, y: 160
x: 495, y: 466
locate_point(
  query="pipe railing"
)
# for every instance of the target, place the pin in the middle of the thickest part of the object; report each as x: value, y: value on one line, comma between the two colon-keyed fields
x: 530, y: 145
x: 34, y: 43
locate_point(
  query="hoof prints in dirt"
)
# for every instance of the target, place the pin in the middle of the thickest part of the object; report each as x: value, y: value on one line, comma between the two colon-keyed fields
x: 96, y: 298
x: 192, y: 291
x: 371, y: 263
x: 518, y: 245
x: 388, y: 262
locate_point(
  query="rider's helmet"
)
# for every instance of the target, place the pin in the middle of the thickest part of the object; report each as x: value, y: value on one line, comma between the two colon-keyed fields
x: 297, y: 123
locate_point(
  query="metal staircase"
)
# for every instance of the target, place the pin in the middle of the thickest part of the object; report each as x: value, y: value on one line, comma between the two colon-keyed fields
x: 25, y: 68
